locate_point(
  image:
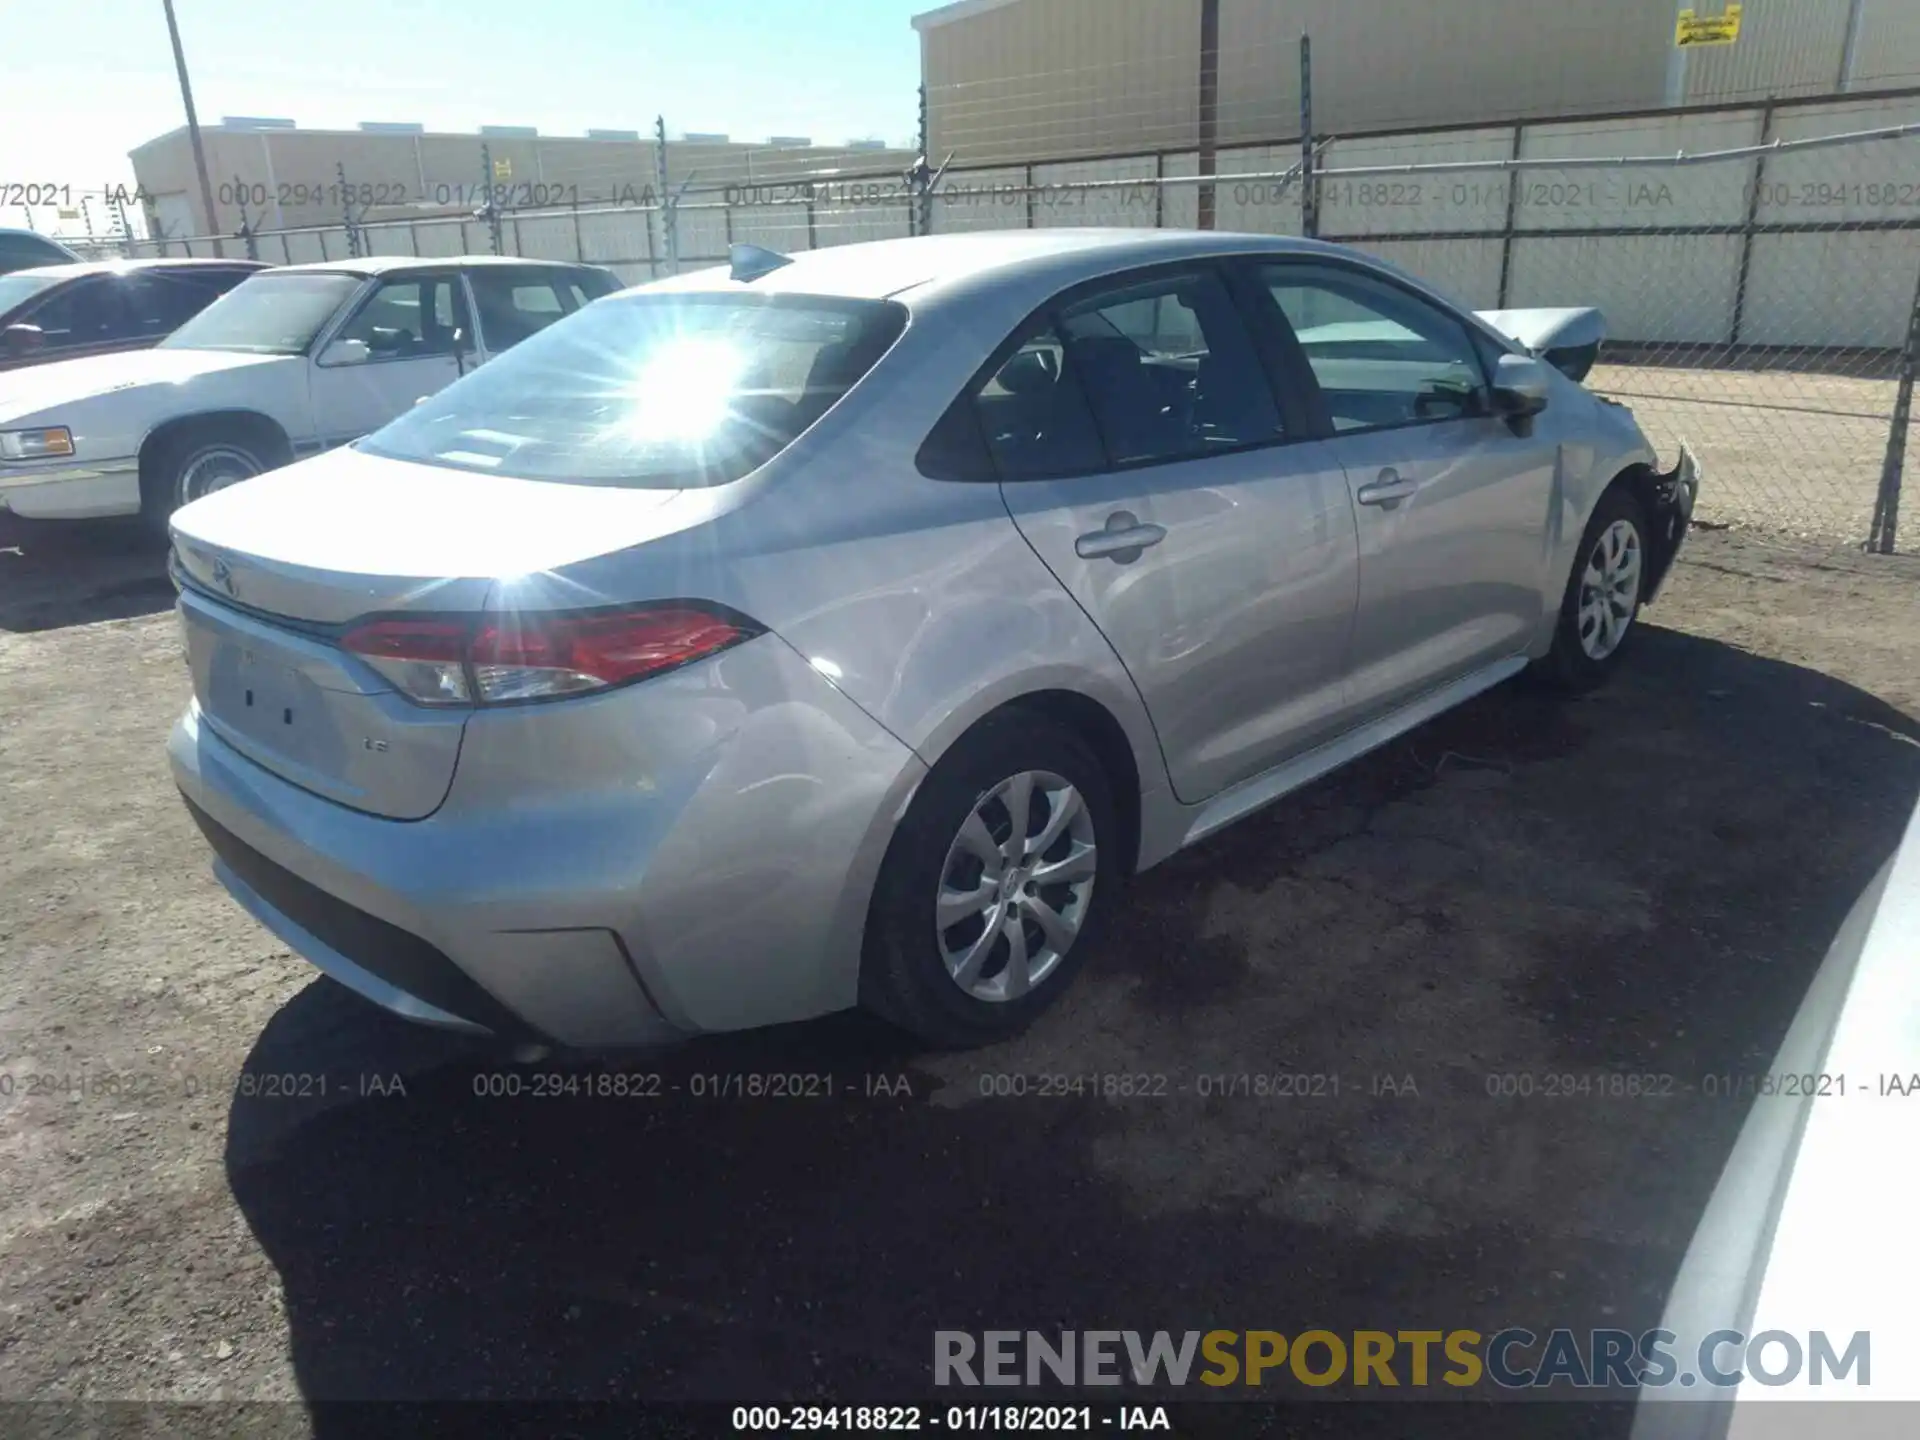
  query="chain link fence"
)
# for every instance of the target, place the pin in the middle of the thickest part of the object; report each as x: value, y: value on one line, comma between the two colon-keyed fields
x: 1758, y: 265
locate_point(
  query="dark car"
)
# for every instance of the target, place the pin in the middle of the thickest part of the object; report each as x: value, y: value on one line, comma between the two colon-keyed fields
x: 62, y: 312
x: 20, y: 249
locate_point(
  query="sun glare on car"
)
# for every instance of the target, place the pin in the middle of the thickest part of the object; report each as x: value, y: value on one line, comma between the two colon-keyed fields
x: 683, y: 392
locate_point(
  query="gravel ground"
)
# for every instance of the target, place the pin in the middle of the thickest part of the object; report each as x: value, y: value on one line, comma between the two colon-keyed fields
x: 1641, y: 882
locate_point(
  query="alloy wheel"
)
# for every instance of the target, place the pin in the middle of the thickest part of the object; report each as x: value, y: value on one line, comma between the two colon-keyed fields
x: 1610, y: 589
x: 1015, y: 887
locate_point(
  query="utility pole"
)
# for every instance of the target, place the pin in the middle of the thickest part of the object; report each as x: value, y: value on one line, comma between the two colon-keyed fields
x: 193, y: 126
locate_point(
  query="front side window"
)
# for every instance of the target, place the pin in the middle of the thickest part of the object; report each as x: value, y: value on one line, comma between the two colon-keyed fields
x: 19, y: 287
x: 410, y: 318
x: 651, y: 391
x: 270, y: 314
x: 86, y: 312
x: 1382, y: 355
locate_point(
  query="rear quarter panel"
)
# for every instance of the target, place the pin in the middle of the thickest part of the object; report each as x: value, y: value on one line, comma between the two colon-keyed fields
x: 918, y: 599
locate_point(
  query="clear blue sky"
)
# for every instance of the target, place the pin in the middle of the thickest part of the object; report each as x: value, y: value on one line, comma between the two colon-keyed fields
x: 86, y: 80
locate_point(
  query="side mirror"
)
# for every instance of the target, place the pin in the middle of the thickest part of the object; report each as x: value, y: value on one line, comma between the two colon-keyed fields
x: 346, y: 352
x: 22, y: 339
x: 1522, y: 386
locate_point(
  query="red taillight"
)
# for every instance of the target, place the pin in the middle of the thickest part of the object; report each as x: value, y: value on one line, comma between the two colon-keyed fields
x: 535, y: 657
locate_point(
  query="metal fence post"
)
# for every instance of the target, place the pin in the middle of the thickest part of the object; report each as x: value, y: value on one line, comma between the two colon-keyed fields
x: 1746, y: 229
x: 1209, y: 128
x: 346, y: 210
x: 126, y: 230
x: 1886, y: 506
x: 669, y: 211
x: 922, y: 179
x: 1309, y: 182
x: 1513, y: 218
x: 490, y: 212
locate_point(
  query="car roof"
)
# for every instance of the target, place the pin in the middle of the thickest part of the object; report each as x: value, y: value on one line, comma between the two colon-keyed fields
x: 882, y: 269
x: 387, y: 264
x: 992, y: 278
x: 75, y: 269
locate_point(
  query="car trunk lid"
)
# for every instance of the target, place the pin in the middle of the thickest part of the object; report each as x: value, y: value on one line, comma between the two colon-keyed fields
x: 275, y: 570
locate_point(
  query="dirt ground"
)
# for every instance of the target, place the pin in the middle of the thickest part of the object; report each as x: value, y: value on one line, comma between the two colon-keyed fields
x: 1642, y: 881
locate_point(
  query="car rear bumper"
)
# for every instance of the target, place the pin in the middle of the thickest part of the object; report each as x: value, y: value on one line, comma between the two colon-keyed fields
x: 694, y: 853
x: 66, y: 490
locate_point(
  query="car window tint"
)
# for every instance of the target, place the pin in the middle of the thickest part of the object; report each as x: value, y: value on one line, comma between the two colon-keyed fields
x: 1035, y: 417
x: 1382, y: 356
x: 513, y: 307
x: 84, y: 313
x: 409, y: 318
x: 1169, y: 370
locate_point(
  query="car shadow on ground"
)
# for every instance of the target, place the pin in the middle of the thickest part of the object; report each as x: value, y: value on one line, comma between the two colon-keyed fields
x: 55, y: 573
x: 682, y: 1241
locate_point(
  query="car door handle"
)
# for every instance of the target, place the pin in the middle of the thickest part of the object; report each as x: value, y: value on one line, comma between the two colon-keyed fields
x: 1123, y: 539
x: 1390, y: 489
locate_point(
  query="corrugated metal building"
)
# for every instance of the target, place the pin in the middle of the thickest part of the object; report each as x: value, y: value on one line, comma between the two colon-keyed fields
x: 275, y: 175
x: 1021, y: 80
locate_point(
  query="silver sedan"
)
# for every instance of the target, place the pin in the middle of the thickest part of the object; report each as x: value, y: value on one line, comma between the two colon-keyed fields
x: 846, y: 628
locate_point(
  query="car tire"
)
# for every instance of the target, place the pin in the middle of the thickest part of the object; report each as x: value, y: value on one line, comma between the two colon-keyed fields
x: 193, y: 466
x: 908, y: 970
x: 1601, y: 605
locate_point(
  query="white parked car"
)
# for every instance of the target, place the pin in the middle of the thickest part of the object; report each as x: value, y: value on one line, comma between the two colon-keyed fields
x: 291, y: 362
x: 1798, y: 1285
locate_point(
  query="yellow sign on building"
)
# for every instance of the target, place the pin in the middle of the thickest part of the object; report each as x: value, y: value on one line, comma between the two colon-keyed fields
x: 503, y: 169
x: 1691, y: 29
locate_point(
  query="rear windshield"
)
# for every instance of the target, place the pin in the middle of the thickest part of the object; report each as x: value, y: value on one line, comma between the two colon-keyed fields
x: 267, y: 314
x: 651, y: 390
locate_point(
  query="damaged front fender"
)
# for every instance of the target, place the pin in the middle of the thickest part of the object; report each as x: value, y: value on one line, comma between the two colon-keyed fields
x: 1669, y: 497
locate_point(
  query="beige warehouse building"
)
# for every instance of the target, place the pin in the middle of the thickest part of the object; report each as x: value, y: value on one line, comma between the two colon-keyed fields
x: 274, y: 175
x: 1024, y: 80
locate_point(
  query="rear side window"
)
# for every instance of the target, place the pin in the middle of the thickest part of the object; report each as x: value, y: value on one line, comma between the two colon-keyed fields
x: 514, y: 306
x: 1035, y: 416
x: 1169, y: 370
x: 1143, y: 372
x: 651, y: 391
